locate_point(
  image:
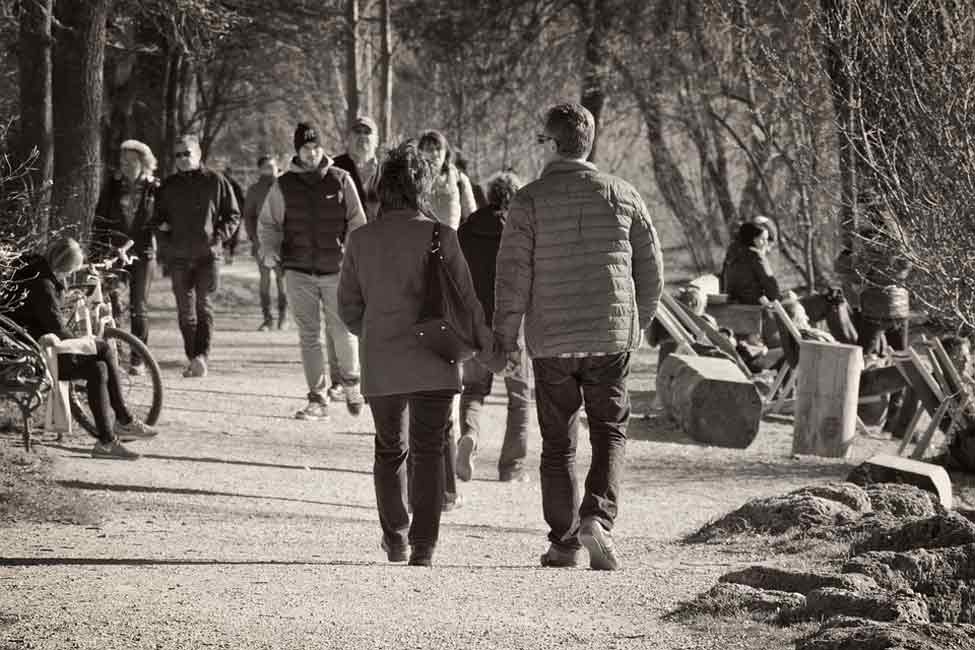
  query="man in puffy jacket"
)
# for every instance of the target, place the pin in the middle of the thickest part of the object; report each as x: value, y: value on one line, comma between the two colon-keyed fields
x: 302, y: 226
x: 581, y: 262
x: 196, y: 212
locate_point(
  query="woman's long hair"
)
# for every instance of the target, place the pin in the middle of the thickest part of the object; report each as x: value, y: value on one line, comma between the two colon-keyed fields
x: 436, y: 139
x: 407, y: 179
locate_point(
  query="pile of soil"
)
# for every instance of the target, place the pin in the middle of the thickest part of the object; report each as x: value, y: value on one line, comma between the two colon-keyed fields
x: 909, y: 580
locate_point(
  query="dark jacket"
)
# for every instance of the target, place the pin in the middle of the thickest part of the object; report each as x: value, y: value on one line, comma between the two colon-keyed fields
x: 366, y: 198
x: 201, y: 210
x: 748, y: 277
x: 381, y: 291
x: 580, y: 261
x: 109, y: 230
x: 305, y: 218
x: 480, y: 239
x: 253, y: 201
x: 40, y: 311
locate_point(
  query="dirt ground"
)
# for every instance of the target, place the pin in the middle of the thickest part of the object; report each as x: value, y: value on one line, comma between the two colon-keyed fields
x: 244, y: 528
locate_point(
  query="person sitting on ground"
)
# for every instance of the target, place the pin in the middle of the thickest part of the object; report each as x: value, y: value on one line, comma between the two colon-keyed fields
x: 749, y: 276
x: 41, y: 281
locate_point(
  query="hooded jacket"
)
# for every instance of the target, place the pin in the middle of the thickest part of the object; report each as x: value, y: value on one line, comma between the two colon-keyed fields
x: 480, y: 239
x: 306, y: 216
x: 42, y: 294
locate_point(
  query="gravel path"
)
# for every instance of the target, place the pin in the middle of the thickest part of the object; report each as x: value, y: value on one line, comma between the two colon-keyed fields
x: 243, y: 528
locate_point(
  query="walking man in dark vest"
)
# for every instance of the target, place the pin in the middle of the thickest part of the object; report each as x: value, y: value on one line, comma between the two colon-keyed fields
x: 302, y: 226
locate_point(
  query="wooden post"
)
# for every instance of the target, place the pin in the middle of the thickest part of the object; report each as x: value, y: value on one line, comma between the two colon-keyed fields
x: 826, y: 403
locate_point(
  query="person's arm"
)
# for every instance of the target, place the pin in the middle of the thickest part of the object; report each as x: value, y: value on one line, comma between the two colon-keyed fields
x: 352, y: 304
x: 467, y: 203
x: 47, y: 308
x: 160, y: 217
x: 227, y: 219
x: 270, y: 226
x: 647, y: 262
x: 515, y: 271
x: 355, y: 216
x: 763, y: 273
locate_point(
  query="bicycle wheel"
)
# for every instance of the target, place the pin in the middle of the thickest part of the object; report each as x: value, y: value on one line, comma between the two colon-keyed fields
x: 142, y: 392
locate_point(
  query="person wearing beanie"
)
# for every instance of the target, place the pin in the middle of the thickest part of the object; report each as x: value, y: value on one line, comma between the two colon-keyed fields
x: 196, y: 212
x: 749, y: 276
x: 123, y: 214
x: 302, y: 226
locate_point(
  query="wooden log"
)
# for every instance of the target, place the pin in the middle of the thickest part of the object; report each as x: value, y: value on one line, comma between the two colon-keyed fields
x: 711, y: 399
x: 826, y: 402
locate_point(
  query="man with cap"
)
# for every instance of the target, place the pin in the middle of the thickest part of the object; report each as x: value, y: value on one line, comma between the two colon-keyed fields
x: 196, y: 212
x: 302, y: 226
x: 362, y: 164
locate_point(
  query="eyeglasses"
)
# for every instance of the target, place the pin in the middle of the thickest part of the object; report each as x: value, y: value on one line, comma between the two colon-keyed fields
x: 541, y: 138
x: 183, y: 154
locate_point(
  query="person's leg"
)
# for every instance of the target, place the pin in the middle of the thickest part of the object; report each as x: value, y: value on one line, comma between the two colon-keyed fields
x: 389, y: 469
x: 206, y: 276
x: 105, y: 353
x: 608, y: 409
x: 477, y: 386
x: 429, y: 420
x: 87, y: 367
x: 282, y: 298
x: 304, y: 297
x: 140, y: 281
x: 897, y: 338
x: 184, y: 289
x: 264, y: 288
x: 451, y: 496
x: 334, y: 376
x: 557, y: 400
x: 346, y: 344
x: 871, y: 335
x: 514, y: 449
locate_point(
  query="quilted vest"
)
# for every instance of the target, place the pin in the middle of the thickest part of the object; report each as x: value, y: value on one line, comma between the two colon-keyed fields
x: 314, y: 221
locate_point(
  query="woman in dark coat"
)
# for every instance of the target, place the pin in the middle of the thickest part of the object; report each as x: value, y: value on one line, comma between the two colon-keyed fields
x: 41, y: 284
x: 381, y: 290
x: 124, y: 208
x: 748, y: 276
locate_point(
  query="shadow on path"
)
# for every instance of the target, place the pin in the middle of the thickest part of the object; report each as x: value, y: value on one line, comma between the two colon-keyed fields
x: 135, y: 561
x: 149, y: 489
x: 227, y: 461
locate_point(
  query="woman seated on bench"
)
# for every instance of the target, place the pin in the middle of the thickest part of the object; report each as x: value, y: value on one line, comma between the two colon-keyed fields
x: 749, y: 276
x: 41, y: 285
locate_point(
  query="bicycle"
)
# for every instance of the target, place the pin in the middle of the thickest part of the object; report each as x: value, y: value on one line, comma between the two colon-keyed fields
x: 142, y: 390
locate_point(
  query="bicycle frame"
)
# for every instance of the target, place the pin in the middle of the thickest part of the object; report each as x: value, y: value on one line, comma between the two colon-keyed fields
x: 99, y: 316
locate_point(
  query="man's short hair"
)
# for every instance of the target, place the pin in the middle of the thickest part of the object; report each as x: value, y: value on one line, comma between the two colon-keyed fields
x: 501, y: 188
x: 573, y: 128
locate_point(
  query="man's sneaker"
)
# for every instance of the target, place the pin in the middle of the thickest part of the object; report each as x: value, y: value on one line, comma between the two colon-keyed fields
x: 284, y: 323
x: 514, y: 476
x: 353, y: 399
x: 314, y: 410
x: 336, y: 393
x: 599, y: 543
x: 559, y: 558
x: 266, y: 325
x: 451, y: 501
x: 112, y: 450
x: 464, y: 464
x: 197, y: 368
x: 134, y: 430
x: 394, y: 553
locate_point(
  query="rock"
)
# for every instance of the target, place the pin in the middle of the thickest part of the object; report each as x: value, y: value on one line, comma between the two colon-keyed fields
x: 890, y: 636
x: 725, y: 598
x: 802, y: 582
x: 904, y: 606
x: 949, y: 529
x: 777, y: 515
x: 848, y: 494
x: 914, y: 569
x: 903, y: 500
x: 952, y: 601
x: 884, y: 468
x: 711, y: 399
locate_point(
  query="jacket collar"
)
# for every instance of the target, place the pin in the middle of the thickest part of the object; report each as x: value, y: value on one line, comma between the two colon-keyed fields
x: 567, y: 166
x: 38, y: 267
x: 298, y: 168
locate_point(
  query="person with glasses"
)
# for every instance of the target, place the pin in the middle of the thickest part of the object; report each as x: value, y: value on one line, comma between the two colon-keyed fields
x: 580, y: 263
x: 362, y: 164
x: 196, y: 212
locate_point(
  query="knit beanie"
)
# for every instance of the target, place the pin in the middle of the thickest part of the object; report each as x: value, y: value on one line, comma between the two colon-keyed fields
x: 306, y: 132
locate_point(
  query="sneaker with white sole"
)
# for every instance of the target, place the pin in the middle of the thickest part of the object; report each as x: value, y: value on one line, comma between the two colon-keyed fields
x: 353, y: 399
x: 336, y: 393
x: 599, y: 543
x: 113, y: 450
x: 134, y: 430
x: 314, y: 410
x: 464, y: 464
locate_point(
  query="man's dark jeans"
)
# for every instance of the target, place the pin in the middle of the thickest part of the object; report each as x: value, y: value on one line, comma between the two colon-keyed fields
x: 140, y: 281
x: 562, y: 386
x: 478, y: 381
x: 100, y: 371
x: 412, y: 427
x: 193, y: 282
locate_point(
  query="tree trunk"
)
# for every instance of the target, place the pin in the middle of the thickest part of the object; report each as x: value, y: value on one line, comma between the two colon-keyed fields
x: 79, y: 58
x: 596, y: 65
x: 121, y: 91
x: 386, y: 65
x: 351, y: 62
x: 36, y: 115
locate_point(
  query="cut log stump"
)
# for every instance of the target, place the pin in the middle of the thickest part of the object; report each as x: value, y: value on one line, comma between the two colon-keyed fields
x: 711, y: 399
